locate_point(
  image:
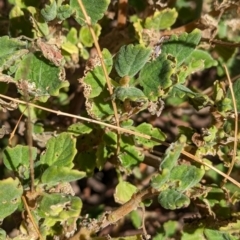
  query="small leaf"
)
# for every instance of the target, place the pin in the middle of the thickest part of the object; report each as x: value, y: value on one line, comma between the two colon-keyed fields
x: 190, y: 232
x: 86, y: 161
x: 187, y: 176
x: 99, y: 108
x: 72, y: 36
x: 110, y: 138
x: 217, y: 235
x: 56, y: 174
x: 130, y: 156
x: 131, y: 93
x: 199, y: 54
x: 12, y: 49
x: 94, y: 81
x: 137, y: 24
x: 161, y: 19
x: 59, y: 207
x: 170, y: 228
x: 44, y: 78
x: 136, y: 219
x: 95, y: 10
x: 198, y: 100
x: 24, y: 3
x: 172, y: 199
x: 130, y: 59
x: 70, y: 48
x: 155, y: 77
x: 79, y: 128
x: 85, y: 35
x: 10, y: 196
x: 17, y: 159
x: 3, y: 234
x: 147, y: 129
x: 159, y: 180
x: 64, y: 12
x: 124, y: 191
x: 181, y: 47
x: 101, y: 155
x: 60, y: 151
x: 49, y: 12
x: 172, y: 154
x: 127, y: 123
x: 39, y: 24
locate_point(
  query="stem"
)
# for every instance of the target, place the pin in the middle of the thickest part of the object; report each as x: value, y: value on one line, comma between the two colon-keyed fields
x: 31, y: 218
x: 126, y: 208
x: 123, y: 130
x: 236, y: 127
x: 88, y: 22
x: 29, y: 134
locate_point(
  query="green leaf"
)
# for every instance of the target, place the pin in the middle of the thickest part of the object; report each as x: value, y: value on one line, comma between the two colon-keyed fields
x: 70, y: 48
x: 79, y: 128
x: 95, y: 10
x: 10, y: 196
x: 24, y: 3
x: 49, y: 12
x: 161, y: 19
x: 199, y: 54
x: 198, y: 100
x: 72, y: 36
x: 60, y: 151
x: 130, y: 156
x: 39, y: 24
x: 64, y: 12
x: 187, y: 176
x: 149, y: 130
x: 3, y: 234
x: 59, y: 207
x: 181, y: 91
x: 191, y: 232
x: 9, y: 46
x: 85, y: 35
x: 155, y: 77
x: 130, y: 59
x: 170, y: 228
x: 86, y: 161
x: 217, y: 235
x: 236, y: 91
x: 181, y: 47
x: 131, y: 93
x: 44, y: 78
x: 56, y: 174
x: 172, y: 199
x: 124, y: 191
x: 138, y: 27
x: 198, y: 60
x: 99, y: 108
x: 136, y: 219
x: 110, y: 138
x: 94, y: 81
x: 167, y: 231
x: 232, y: 226
x: 172, y: 154
x: 17, y: 159
x: 101, y: 155
x: 12, y: 50
x: 159, y: 180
